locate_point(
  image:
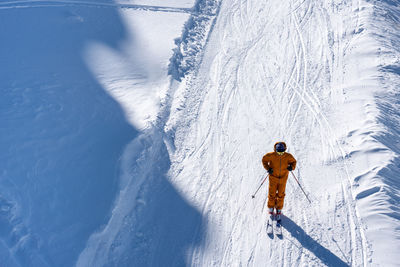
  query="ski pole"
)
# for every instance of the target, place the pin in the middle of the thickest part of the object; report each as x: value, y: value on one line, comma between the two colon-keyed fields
x: 254, y: 195
x: 300, y: 187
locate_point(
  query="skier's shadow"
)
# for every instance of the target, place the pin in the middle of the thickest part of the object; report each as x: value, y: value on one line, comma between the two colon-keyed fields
x: 324, y: 254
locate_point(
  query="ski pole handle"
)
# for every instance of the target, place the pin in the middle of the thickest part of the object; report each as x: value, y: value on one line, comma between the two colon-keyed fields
x: 254, y: 195
x: 300, y: 187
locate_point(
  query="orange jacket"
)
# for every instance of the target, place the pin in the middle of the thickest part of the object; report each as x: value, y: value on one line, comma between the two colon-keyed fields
x: 278, y: 163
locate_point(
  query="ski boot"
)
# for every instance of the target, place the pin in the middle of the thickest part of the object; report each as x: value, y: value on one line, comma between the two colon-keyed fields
x: 278, y: 215
x: 271, y: 213
x: 278, y: 222
x: 270, y: 220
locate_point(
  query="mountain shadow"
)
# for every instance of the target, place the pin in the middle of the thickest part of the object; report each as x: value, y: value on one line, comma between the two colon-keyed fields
x: 61, y: 139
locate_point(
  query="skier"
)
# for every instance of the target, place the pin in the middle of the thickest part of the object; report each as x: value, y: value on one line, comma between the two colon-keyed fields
x: 278, y: 164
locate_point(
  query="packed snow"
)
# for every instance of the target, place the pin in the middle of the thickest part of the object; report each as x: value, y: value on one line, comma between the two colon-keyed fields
x: 133, y: 131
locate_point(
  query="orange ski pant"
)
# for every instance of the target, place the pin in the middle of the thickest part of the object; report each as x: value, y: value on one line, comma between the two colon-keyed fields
x: 276, y: 191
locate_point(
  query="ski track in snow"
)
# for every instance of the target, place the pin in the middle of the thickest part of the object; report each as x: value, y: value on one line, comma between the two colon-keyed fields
x: 271, y: 70
x: 267, y: 77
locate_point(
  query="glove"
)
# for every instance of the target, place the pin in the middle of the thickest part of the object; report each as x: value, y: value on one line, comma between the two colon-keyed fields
x: 270, y: 170
x: 290, y: 168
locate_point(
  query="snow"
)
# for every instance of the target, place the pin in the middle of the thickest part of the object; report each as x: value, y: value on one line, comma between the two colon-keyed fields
x: 64, y: 69
x: 136, y: 77
x: 133, y: 131
x: 306, y: 73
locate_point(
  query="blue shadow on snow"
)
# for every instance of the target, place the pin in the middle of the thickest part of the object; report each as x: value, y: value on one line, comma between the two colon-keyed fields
x: 61, y: 140
x: 164, y: 226
x: 325, y: 255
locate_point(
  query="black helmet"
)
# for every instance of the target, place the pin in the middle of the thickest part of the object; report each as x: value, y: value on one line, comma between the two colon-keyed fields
x: 280, y: 147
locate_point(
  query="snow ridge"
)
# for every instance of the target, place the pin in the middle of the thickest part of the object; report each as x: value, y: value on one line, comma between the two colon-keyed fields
x: 388, y: 36
x: 139, y: 232
x: 188, y: 53
x: 376, y: 187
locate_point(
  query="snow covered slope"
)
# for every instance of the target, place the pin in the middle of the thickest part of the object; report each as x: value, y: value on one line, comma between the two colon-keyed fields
x: 108, y: 161
x: 322, y: 76
x: 79, y: 80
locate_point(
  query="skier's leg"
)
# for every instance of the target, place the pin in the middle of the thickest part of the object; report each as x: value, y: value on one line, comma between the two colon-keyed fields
x: 272, y: 188
x: 281, y: 193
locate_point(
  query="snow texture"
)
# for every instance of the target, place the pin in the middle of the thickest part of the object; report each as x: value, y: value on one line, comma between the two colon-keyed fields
x: 187, y: 56
x: 311, y: 73
x: 132, y: 132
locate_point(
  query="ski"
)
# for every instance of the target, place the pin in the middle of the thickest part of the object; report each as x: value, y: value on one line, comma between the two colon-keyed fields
x: 279, y: 228
x: 269, y: 226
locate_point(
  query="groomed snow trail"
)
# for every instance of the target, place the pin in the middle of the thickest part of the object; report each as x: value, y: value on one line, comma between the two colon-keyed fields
x: 273, y: 70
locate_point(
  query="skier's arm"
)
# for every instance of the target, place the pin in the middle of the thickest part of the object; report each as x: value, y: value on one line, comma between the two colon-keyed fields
x: 292, y: 162
x: 265, y: 162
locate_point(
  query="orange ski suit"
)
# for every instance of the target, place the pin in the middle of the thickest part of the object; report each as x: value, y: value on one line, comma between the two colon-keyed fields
x: 278, y: 179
